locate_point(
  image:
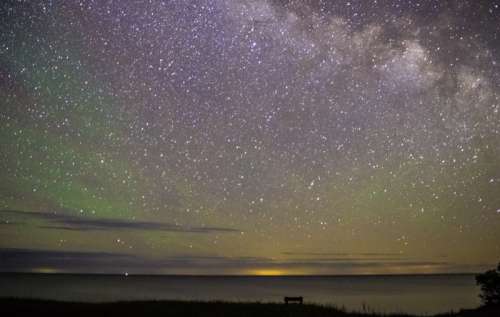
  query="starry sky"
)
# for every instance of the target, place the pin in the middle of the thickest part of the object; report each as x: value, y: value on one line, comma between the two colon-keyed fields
x: 261, y: 137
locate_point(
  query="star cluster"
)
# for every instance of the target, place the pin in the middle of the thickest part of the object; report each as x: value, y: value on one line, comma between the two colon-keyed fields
x: 231, y: 136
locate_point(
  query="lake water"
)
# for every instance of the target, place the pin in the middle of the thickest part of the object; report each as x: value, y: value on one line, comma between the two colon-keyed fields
x: 419, y: 294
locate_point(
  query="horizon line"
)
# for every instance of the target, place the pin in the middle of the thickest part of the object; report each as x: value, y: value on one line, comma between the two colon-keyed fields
x: 127, y: 274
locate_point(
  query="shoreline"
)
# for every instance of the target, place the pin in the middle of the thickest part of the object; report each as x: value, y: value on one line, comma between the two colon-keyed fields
x: 29, y: 307
x: 411, y: 294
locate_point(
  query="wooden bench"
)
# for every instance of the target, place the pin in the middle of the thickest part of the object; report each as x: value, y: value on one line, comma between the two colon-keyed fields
x: 298, y: 300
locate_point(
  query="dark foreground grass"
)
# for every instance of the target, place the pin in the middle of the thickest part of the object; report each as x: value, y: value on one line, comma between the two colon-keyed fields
x: 28, y: 307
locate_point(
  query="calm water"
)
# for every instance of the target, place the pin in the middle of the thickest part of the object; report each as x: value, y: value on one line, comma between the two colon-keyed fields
x: 422, y: 294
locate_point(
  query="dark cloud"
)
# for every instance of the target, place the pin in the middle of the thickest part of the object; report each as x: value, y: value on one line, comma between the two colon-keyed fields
x: 74, y: 223
x: 344, y: 254
x: 9, y: 223
x: 18, y: 259
x: 12, y: 259
x: 325, y: 257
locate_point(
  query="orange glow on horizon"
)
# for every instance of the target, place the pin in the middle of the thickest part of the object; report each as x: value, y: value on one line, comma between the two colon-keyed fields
x: 273, y: 272
x: 268, y: 272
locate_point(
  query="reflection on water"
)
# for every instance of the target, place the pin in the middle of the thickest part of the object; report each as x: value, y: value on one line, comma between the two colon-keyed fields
x: 411, y: 294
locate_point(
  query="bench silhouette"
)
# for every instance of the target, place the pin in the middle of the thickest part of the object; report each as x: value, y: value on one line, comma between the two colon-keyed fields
x: 299, y: 299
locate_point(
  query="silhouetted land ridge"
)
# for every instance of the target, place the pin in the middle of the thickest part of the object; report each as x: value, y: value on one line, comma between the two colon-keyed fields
x: 30, y: 307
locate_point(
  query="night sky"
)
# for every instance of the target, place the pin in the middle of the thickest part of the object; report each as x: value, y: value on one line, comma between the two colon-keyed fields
x: 249, y: 137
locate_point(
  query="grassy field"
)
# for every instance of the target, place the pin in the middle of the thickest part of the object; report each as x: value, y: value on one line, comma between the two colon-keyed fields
x: 24, y: 307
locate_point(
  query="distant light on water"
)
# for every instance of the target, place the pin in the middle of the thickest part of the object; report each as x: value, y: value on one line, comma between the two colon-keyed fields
x: 45, y: 270
x: 270, y: 272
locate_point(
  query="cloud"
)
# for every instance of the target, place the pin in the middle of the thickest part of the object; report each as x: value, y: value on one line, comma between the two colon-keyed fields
x: 32, y: 260
x: 60, y: 221
x: 9, y: 223
x: 343, y: 254
x: 22, y: 260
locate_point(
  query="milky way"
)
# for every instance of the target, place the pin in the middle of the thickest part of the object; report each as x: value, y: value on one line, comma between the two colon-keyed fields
x: 245, y: 137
